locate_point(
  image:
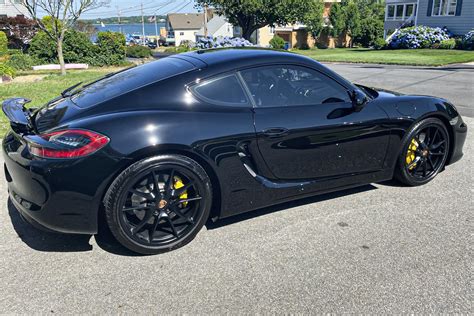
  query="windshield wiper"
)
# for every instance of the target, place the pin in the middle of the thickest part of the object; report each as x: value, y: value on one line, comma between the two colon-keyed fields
x: 66, y: 93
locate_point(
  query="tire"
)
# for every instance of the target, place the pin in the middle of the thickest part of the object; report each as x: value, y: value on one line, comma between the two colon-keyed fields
x: 158, y: 204
x: 424, y: 152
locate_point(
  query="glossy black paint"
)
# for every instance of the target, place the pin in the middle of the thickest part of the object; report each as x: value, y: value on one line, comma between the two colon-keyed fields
x: 255, y: 157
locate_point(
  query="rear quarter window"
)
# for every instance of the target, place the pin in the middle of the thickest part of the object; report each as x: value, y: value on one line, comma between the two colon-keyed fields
x: 224, y: 90
x: 129, y: 80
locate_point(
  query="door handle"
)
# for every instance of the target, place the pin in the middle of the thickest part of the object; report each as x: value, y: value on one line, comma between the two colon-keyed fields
x: 276, y: 132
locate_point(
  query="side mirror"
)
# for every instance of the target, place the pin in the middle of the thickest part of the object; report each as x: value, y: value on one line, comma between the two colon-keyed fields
x: 359, y: 99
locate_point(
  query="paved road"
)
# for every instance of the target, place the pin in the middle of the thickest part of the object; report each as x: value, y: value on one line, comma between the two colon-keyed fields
x: 455, y: 82
x: 378, y: 249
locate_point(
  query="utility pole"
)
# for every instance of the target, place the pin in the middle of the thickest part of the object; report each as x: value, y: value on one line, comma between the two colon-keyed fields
x: 205, y: 20
x: 119, y: 13
x: 143, y: 25
x: 156, y: 31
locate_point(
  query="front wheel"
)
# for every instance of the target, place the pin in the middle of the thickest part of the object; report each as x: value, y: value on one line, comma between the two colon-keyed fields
x: 158, y: 204
x: 424, y: 152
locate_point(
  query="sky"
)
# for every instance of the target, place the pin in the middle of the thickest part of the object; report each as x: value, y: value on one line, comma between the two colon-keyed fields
x: 132, y: 7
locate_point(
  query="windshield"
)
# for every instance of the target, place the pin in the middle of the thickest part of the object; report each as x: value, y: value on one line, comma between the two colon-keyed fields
x: 128, y: 80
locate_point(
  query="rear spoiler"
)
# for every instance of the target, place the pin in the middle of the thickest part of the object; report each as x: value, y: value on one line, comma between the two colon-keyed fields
x: 18, y: 115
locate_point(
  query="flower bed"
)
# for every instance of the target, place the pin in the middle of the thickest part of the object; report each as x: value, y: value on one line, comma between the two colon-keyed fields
x: 419, y: 37
x: 219, y: 42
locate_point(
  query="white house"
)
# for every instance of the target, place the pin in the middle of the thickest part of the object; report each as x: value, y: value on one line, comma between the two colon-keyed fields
x: 12, y: 8
x: 218, y: 26
x: 184, y: 26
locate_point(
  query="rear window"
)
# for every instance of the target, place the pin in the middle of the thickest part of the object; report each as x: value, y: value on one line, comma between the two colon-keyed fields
x: 129, y: 80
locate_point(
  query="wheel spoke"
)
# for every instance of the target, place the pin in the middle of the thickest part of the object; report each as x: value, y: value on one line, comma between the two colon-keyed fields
x: 181, y: 190
x: 413, y: 163
x: 170, y: 222
x: 435, y: 134
x: 438, y: 154
x: 141, y: 194
x: 156, y: 185
x: 140, y: 225
x: 436, y: 146
x: 136, y: 208
x: 152, y: 231
x: 180, y: 213
x: 197, y: 198
x: 425, y: 168
x: 431, y: 163
x: 170, y: 184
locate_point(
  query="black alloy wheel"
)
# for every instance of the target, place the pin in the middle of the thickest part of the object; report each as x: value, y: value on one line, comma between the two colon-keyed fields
x: 424, y: 153
x: 159, y: 204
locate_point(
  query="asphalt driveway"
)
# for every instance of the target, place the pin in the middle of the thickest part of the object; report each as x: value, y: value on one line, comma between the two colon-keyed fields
x: 377, y: 249
x: 453, y: 82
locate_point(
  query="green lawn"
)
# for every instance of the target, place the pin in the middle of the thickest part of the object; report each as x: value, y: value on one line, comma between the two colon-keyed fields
x: 46, y: 89
x: 418, y: 57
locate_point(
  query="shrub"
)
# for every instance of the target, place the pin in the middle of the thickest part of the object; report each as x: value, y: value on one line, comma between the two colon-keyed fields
x: 6, y: 70
x: 448, y: 44
x: 277, y: 42
x: 468, y: 41
x: 138, y: 51
x: 110, y: 49
x: 220, y: 42
x: 77, y: 48
x: 380, y: 43
x: 419, y: 37
x: 21, y: 61
x: 3, y: 43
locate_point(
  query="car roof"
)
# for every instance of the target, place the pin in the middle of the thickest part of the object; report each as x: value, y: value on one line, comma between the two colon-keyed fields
x: 244, y: 56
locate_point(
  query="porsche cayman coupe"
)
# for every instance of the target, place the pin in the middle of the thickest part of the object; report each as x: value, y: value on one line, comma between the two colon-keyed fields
x: 163, y: 147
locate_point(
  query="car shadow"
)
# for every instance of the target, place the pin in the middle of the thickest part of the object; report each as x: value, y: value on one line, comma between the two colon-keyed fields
x: 55, y: 242
x: 44, y: 241
x: 279, y: 207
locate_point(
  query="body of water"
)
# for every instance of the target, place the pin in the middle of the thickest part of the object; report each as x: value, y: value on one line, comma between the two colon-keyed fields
x: 130, y: 28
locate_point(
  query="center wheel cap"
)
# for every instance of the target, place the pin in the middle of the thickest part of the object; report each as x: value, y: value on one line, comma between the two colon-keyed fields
x: 162, y: 204
x: 425, y: 153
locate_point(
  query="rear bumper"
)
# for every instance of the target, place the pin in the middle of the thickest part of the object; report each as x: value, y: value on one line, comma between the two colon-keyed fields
x: 459, y: 137
x: 58, y: 195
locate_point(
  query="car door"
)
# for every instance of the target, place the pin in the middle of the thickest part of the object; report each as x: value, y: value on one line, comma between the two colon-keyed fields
x: 307, y: 127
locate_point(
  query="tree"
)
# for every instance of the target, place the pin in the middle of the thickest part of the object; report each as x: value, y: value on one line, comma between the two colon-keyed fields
x: 19, y: 30
x: 362, y: 20
x: 313, y: 18
x: 252, y: 15
x: 64, y: 14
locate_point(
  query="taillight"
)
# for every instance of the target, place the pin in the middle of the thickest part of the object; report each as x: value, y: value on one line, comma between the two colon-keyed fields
x: 73, y: 143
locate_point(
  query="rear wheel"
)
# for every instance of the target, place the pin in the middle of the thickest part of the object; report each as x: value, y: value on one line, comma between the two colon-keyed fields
x: 158, y: 204
x: 424, y: 152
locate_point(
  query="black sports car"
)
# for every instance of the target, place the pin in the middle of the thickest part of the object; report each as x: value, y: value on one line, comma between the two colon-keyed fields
x: 162, y: 147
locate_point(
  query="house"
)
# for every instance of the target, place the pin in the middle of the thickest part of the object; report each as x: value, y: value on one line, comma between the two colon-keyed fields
x: 184, y: 26
x: 456, y: 15
x: 12, y: 8
x: 217, y: 26
x: 297, y: 35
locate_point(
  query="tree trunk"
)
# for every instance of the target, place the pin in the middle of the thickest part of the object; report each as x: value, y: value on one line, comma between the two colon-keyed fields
x: 247, y: 33
x: 62, y: 64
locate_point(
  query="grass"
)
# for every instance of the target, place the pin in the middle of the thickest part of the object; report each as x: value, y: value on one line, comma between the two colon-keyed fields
x: 419, y: 57
x: 40, y: 92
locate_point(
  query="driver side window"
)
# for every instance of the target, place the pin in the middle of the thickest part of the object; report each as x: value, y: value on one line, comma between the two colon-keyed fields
x: 273, y: 86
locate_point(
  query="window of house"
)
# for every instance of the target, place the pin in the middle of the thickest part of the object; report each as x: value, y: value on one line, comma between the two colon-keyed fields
x: 390, y: 12
x: 225, y: 90
x: 275, y: 86
x: 444, y: 7
x: 400, y: 12
x: 181, y: 33
x: 409, y: 10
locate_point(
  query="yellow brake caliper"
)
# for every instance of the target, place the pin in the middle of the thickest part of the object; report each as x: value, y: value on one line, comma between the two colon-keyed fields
x: 178, y: 183
x: 411, y: 153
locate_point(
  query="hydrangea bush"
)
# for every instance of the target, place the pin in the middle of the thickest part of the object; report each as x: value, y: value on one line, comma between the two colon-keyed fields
x: 219, y: 42
x: 419, y: 37
x: 468, y: 40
